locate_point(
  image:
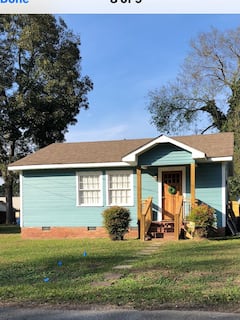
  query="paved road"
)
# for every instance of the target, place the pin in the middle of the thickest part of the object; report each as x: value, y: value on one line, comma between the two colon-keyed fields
x: 8, y: 313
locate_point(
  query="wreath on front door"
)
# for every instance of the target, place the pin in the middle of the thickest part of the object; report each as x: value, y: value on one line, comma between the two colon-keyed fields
x: 172, y: 190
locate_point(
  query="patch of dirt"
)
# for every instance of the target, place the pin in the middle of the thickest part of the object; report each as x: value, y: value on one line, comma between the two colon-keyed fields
x: 109, y: 279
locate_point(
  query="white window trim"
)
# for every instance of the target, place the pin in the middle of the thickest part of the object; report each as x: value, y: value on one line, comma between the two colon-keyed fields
x: 83, y: 173
x: 112, y: 172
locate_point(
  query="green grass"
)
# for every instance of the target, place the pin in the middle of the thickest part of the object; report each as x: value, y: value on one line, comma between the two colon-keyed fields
x: 186, y: 274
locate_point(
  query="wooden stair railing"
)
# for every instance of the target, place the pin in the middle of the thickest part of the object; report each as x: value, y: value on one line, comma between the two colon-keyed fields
x: 178, y: 219
x: 231, y: 219
x: 146, y: 217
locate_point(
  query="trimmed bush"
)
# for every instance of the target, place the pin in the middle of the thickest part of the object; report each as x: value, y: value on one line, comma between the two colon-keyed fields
x: 116, y: 221
x: 204, y: 218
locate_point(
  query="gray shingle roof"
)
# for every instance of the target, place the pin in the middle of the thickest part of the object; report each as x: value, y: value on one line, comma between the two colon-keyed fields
x: 213, y: 145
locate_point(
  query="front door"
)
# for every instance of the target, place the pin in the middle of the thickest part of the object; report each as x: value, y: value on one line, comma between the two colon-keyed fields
x: 171, y: 192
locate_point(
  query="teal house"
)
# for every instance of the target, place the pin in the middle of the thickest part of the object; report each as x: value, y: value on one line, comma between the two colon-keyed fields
x: 65, y: 187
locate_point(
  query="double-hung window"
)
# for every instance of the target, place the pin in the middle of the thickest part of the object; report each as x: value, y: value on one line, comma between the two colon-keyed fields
x: 89, y: 188
x: 120, y: 188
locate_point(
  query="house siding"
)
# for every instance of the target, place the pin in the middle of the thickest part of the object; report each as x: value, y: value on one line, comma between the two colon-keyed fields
x: 50, y: 199
x: 150, y: 189
x: 165, y: 155
x: 209, y: 187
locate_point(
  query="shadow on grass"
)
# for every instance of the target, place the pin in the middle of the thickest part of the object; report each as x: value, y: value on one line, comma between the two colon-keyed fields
x: 230, y: 237
x: 9, y: 229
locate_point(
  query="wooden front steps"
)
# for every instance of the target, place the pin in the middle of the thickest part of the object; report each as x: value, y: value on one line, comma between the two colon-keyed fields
x: 162, y: 230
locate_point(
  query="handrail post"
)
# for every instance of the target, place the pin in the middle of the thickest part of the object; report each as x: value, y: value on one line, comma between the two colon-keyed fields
x: 178, y: 220
x: 139, y: 200
x: 192, y: 182
x: 176, y: 226
x: 146, y: 217
x: 142, y: 227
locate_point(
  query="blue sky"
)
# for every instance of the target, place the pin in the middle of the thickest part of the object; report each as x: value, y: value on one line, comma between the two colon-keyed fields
x: 126, y: 56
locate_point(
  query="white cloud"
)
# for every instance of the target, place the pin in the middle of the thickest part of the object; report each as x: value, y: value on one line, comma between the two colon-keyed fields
x: 97, y: 134
x: 132, y: 129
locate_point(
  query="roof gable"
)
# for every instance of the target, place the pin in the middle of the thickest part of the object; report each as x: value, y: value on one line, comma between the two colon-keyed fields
x: 164, y: 154
x: 132, y: 157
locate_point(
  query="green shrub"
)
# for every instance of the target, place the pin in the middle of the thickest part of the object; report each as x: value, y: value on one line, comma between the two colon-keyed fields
x: 204, y: 218
x: 116, y: 221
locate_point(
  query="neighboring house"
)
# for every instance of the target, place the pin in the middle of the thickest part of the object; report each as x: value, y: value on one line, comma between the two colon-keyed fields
x: 3, y: 208
x: 66, y: 186
x: 2, y: 212
x: 15, y: 200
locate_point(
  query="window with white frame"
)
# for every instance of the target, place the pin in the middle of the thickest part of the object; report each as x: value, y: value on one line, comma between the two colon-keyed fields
x: 120, y: 188
x: 89, y: 188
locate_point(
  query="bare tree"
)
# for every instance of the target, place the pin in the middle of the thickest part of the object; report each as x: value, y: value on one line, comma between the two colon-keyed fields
x: 206, y: 92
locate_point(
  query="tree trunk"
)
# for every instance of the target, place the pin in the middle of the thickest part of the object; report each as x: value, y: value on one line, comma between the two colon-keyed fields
x: 10, y: 216
x: 8, y: 179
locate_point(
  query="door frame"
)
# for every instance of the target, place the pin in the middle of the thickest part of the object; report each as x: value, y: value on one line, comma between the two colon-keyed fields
x: 160, y: 172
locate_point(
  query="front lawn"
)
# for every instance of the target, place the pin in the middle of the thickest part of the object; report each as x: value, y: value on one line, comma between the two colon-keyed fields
x: 184, y: 274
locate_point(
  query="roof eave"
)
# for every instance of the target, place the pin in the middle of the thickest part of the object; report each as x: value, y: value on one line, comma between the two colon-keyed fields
x: 219, y: 159
x: 68, y: 166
